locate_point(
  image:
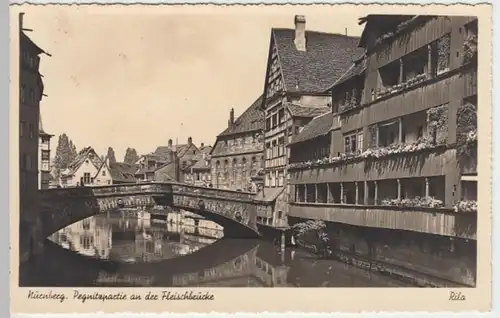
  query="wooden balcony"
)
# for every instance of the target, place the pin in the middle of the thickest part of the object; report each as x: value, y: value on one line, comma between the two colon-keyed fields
x: 426, y: 163
x: 426, y: 220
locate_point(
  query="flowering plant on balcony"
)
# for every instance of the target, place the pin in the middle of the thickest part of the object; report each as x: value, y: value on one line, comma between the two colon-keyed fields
x: 420, y: 202
x: 381, y: 92
x: 471, y: 136
x: 466, y: 206
x: 418, y: 145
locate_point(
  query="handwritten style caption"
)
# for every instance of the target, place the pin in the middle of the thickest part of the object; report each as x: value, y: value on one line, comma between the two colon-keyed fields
x: 83, y: 297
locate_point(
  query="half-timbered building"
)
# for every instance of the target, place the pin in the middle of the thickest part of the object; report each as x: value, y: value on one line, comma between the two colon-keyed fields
x: 302, y: 65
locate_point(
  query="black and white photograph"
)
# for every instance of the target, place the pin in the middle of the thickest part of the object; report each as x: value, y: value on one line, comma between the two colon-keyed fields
x: 287, y: 148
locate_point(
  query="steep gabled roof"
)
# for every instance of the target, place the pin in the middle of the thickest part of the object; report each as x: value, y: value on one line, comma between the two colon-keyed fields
x: 326, y: 58
x: 356, y: 69
x: 297, y: 110
x: 317, y: 127
x: 122, y: 172
x: 252, y: 119
x: 84, y: 154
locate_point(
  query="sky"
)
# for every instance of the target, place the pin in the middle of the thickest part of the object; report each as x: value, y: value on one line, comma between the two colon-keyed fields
x: 131, y: 76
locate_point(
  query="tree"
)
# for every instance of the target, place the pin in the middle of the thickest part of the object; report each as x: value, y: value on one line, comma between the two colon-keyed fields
x: 65, y: 154
x: 111, y: 155
x: 130, y: 156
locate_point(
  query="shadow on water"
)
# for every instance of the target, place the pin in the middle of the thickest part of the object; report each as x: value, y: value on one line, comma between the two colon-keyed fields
x: 127, y: 252
x: 63, y: 268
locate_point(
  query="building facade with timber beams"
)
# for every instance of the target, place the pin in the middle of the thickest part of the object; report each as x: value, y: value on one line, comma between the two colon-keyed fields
x: 302, y: 65
x: 399, y: 148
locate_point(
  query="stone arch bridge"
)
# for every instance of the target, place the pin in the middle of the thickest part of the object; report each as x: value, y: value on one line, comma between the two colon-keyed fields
x: 234, y: 210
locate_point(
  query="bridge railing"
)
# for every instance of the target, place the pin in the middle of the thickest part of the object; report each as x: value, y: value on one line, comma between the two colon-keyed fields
x: 150, y: 187
x: 110, y: 190
x: 191, y: 190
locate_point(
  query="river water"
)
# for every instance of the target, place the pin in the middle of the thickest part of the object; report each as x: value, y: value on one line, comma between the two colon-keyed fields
x: 129, y: 250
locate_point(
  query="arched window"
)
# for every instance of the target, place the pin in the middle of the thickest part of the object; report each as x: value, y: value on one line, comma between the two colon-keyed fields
x: 217, y: 164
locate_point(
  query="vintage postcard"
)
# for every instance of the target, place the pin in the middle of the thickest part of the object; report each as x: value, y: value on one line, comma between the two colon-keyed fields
x: 165, y: 158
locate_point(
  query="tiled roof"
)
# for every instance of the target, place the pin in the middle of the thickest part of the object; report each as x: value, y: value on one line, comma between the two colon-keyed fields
x: 356, y: 69
x: 122, y: 172
x: 80, y: 159
x: 326, y: 58
x: 251, y: 119
x: 319, y: 126
x: 164, y: 151
x: 201, y: 164
x: 304, y: 111
x: 269, y: 194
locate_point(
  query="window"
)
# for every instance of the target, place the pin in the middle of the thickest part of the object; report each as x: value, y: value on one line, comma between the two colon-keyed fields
x: 86, y: 178
x: 353, y: 142
x: 281, y: 116
x: 22, y: 128
x: 268, y: 123
x: 420, y: 131
x: 45, y: 140
x: 31, y: 131
x: 104, y: 173
x: 360, y: 141
x: 21, y: 93
x: 28, y: 162
x: 389, y: 74
x: 45, y: 155
x: 32, y: 97
x: 281, y: 146
x: 22, y: 159
x: 415, y: 63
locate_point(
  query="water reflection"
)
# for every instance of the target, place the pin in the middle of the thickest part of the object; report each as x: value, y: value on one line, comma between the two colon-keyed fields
x: 125, y: 250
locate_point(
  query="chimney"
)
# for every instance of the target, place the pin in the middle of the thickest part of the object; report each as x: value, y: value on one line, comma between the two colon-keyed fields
x: 231, y: 117
x: 107, y: 161
x: 202, y: 145
x: 21, y: 18
x: 170, y: 143
x: 190, y: 141
x: 300, y: 33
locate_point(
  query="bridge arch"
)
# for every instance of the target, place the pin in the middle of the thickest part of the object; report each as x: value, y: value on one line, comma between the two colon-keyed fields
x: 235, y: 211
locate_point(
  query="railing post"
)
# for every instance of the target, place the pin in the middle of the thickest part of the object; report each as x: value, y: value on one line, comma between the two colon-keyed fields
x: 426, y: 187
x: 357, y: 192
x: 375, y: 197
x: 341, y: 192
x: 399, y: 188
x: 315, y: 193
x: 365, y: 192
x: 400, y: 128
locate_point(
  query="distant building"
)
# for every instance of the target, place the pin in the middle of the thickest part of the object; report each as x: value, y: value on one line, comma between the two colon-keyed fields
x: 30, y: 94
x: 199, y: 174
x: 237, y: 154
x: 82, y: 170
x: 115, y: 173
x: 169, y: 162
x: 301, y: 67
x: 44, y: 168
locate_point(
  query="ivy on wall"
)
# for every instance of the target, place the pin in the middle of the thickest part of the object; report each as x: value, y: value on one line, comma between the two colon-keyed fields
x: 470, y: 49
x: 466, y: 128
x: 437, y: 123
x: 443, y: 50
